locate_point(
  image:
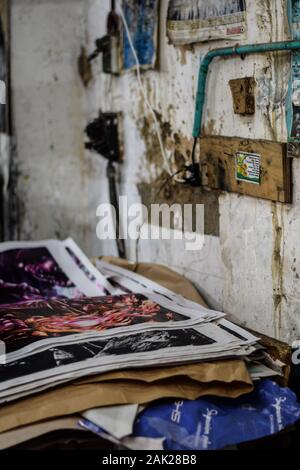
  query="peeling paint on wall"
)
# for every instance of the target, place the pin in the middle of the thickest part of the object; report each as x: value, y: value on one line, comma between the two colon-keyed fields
x: 178, y: 146
x: 264, y: 16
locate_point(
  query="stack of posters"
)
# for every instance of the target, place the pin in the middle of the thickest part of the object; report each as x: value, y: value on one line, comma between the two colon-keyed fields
x: 61, y: 319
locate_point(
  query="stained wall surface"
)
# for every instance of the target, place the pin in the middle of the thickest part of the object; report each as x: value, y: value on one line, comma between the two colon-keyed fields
x: 249, y: 265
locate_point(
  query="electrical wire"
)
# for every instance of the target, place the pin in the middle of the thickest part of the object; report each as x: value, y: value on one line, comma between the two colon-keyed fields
x: 167, y: 180
x: 142, y: 88
x: 156, y: 123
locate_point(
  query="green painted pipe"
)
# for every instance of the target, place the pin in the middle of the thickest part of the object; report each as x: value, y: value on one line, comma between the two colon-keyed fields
x: 225, y: 52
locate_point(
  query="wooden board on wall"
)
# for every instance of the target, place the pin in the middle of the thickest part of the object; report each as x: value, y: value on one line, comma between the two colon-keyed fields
x: 218, y: 162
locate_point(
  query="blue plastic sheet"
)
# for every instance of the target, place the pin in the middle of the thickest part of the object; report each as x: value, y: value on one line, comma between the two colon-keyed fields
x: 214, y: 423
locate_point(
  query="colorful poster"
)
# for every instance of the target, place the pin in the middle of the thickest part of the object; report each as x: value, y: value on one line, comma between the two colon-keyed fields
x: 191, y: 21
x: 31, y: 271
x: 32, y: 274
x: 142, y: 20
x: 33, y: 321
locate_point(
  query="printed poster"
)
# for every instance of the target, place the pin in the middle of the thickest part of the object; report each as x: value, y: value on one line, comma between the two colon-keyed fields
x: 142, y: 19
x: 33, y: 321
x: 191, y: 21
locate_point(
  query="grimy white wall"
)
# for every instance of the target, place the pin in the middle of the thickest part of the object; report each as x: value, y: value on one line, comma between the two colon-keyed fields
x: 49, y: 116
x: 251, y: 267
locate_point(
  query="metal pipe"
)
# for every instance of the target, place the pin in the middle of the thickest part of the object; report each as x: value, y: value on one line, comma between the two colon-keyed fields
x: 226, y: 52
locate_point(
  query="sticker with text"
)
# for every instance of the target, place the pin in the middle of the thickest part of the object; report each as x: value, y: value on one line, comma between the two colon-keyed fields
x: 248, y: 167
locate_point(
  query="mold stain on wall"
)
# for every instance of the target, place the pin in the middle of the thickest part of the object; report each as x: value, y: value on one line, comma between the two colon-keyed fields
x: 176, y: 145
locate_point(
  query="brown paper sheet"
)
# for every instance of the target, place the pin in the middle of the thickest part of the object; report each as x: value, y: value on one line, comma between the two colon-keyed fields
x: 26, y: 433
x: 224, y: 379
x: 226, y: 371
